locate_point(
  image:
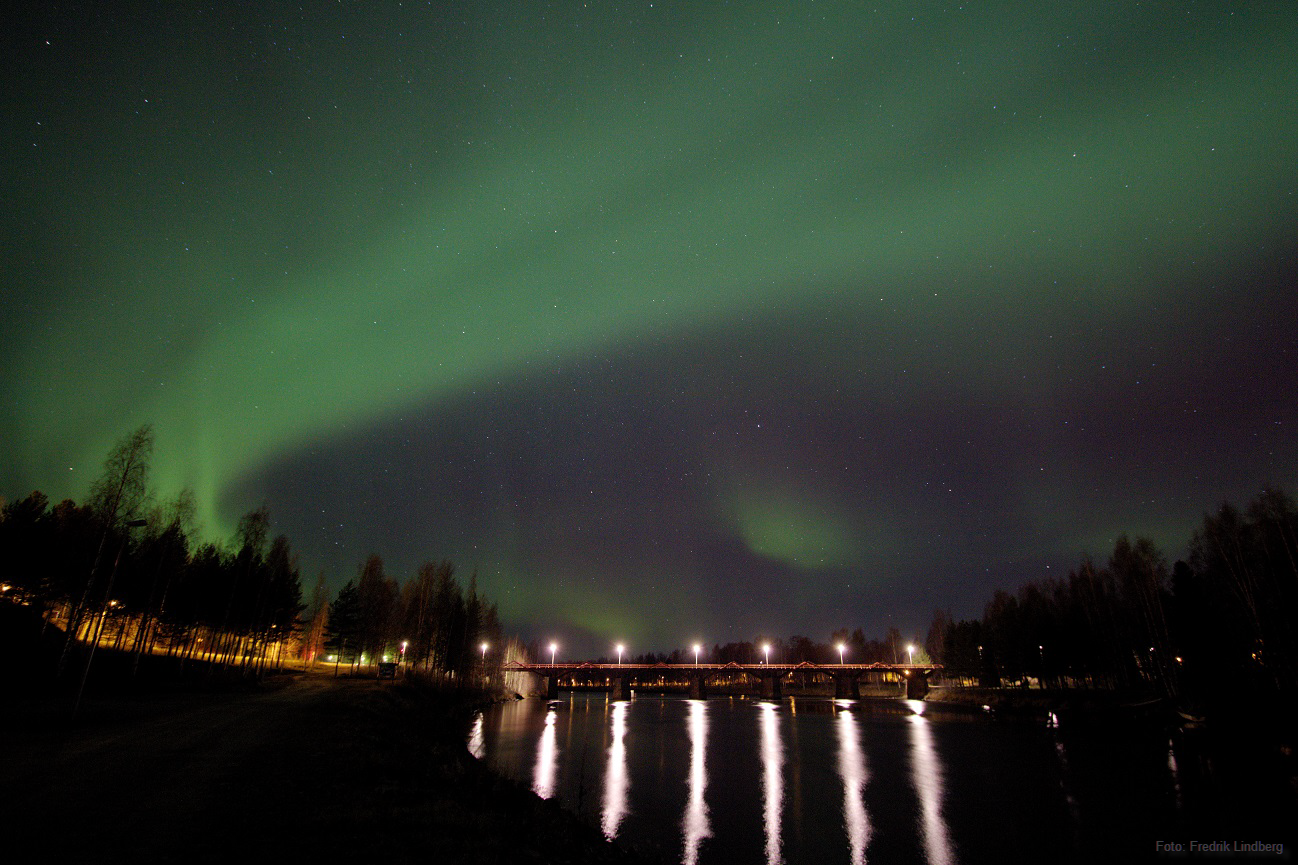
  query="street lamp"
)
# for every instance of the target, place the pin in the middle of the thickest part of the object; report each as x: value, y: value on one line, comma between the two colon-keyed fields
x: 841, y: 650
x: 554, y: 647
x: 620, y: 649
x: 766, y: 650
x: 697, y: 649
x: 910, y: 650
x: 484, y: 648
x: 404, y: 643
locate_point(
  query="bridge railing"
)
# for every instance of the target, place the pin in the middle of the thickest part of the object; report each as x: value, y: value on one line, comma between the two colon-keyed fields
x: 519, y: 666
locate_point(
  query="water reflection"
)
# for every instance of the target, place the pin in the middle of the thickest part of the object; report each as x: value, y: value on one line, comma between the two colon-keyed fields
x: 1065, y: 784
x: 1175, y: 769
x: 851, y: 766
x: 696, y: 824
x: 477, y: 744
x: 546, y: 753
x: 616, y: 780
x: 772, y: 780
x: 859, y: 782
x: 926, y: 772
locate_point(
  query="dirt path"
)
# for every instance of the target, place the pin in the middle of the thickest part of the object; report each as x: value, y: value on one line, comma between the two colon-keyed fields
x: 148, y: 787
x: 322, y: 770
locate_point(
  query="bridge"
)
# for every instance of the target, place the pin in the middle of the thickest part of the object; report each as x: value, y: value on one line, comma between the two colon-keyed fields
x: 619, y: 678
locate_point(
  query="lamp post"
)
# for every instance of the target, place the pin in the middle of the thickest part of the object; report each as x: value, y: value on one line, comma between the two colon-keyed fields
x: 766, y: 650
x: 484, y: 648
x: 910, y: 650
x: 554, y: 647
x: 841, y: 650
x: 697, y: 649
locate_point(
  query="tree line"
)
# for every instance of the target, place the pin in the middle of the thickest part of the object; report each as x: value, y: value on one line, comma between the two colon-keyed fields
x: 430, y: 623
x: 1221, y: 620
x: 125, y: 571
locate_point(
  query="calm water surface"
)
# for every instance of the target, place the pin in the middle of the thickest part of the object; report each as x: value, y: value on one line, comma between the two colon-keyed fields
x: 797, y: 781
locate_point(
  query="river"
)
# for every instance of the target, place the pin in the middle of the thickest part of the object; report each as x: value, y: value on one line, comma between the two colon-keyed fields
x: 734, y: 780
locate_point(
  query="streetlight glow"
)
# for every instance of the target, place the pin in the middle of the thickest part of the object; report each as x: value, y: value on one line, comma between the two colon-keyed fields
x: 841, y: 649
x: 620, y: 649
x: 554, y: 647
x: 911, y: 651
x: 697, y: 649
x: 766, y: 650
x: 484, y: 648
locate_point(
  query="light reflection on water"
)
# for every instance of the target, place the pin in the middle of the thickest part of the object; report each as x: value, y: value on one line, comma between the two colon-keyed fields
x: 772, y: 780
x: 616, y: 780
x: 853, y: 781
x: 477, y: 744
x: 696, y: 824
x: 927, y: 773
x: 851, y: 766
x: 547, y: 754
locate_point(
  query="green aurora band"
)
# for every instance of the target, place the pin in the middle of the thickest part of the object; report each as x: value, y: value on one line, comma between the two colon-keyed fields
x: 266, y: 235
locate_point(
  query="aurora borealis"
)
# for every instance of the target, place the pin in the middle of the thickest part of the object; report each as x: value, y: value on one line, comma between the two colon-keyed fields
x: 676, y: 321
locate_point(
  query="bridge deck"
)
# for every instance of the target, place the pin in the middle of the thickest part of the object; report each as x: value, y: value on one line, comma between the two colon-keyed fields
x: 754, y: 669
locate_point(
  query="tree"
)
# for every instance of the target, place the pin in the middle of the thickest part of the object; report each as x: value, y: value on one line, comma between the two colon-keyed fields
x: 473, y: 612
x: 378, y: 598
x: 318, y: 616
x: 447, y: 617
x: 25, y: 534
x: 1248, y: 566
x: 250, y: 542
x: 894, y: 643
x: 344, y: 623
x: 122, y: 489
x: 115, y: 498
x: 935, y: 642
x: 1141, y: 573
x: 165, y: 556
x: 281, y: 601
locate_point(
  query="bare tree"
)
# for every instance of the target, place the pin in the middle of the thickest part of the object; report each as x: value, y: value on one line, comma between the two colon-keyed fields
x: 116, y: 498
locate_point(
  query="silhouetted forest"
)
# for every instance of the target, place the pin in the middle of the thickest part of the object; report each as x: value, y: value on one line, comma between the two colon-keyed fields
x: 1219, y: 623
x: 1215, y: 625
x: 124, y: 571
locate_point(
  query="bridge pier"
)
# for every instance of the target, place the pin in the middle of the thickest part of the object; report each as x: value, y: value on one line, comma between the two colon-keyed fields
x: 552, y: 687
x: 771, y: 689
x: 846, y: 687
x: 916, y: 685
x: 698, y: 691
x: 620, y: 688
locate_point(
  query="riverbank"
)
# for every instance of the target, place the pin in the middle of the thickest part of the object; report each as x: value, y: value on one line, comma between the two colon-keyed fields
x: 1027, y: 703
x: 330, y: 770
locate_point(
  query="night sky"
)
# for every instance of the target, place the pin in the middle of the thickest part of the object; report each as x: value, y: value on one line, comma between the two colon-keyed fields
x: 676, y: 320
